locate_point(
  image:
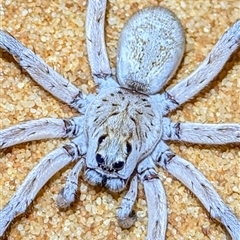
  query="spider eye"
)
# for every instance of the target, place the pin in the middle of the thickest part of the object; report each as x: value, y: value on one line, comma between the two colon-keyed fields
x: 129, y: 148
x: 118, y: 165
x: 99, y: 159
x: 101, y: 139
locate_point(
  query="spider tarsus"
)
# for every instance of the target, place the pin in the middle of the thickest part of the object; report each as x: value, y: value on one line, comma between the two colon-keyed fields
x: 62, y: 202
x: 128, y: 221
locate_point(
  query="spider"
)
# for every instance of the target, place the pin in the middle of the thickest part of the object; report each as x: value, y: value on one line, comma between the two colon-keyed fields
x: 121, y: 135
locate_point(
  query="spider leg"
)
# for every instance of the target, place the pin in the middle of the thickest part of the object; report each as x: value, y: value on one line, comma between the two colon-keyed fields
x: 44, y: 75
x: 44, y: 128
x: 206, y: 71
x: 156, y: 200
x: 97, y: 53
x: 35, y: 180
x: 67, y: 195
x: 201, y: 133
x: 126, y: 216
x: 185, y: 172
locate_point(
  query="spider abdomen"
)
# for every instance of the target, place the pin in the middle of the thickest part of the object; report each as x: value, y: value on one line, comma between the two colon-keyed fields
x: 150, y: 49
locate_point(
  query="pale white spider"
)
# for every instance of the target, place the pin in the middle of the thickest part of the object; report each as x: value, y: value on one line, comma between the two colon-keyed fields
x: 119, y: 139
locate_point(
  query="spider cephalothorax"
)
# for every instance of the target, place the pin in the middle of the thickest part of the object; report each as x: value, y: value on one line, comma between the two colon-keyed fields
x: 123, y: 127
x: 122, y: 132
